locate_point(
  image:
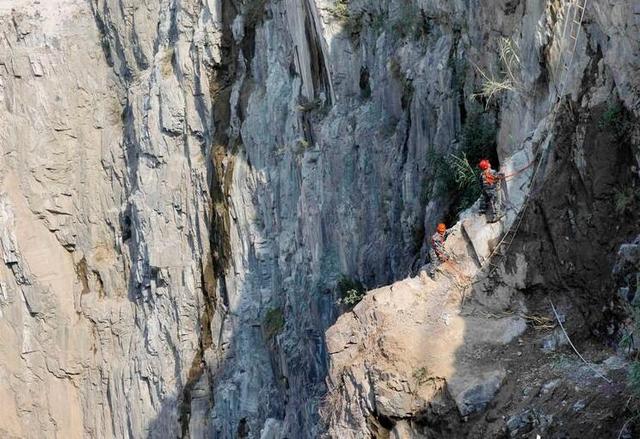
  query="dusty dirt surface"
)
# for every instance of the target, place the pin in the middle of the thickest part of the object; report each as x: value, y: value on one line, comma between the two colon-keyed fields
x: 570, y: 237
x: 552, y: 394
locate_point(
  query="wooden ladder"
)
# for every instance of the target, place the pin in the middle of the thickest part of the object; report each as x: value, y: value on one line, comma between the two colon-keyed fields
x: 574, y: 16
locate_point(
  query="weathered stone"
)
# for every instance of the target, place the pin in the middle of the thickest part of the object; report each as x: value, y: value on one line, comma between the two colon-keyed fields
x: 472, y: 393
x: 171, y: 171
x: 553, y: 341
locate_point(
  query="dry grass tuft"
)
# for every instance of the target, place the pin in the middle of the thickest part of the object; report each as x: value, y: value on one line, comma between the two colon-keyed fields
x: 507, y: 79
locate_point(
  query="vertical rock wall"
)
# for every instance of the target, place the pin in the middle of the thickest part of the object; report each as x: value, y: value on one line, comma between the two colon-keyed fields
x: 184, y: 181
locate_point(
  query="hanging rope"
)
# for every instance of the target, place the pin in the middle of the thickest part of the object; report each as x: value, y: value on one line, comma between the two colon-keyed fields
x: 574, y: 348
x: 519, y: 171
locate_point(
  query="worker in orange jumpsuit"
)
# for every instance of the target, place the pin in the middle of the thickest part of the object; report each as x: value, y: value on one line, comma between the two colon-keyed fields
x: 491, y: 182
x: 438, y: 254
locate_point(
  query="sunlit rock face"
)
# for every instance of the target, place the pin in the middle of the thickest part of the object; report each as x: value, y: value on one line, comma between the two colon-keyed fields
x: 183, y: 183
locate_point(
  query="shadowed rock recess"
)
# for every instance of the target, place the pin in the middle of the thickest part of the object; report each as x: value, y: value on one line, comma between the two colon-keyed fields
x: 187, y: 185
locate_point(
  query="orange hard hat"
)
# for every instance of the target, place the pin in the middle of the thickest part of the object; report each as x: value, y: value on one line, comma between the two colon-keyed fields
x: 441, y: 228
x: 484, y: 164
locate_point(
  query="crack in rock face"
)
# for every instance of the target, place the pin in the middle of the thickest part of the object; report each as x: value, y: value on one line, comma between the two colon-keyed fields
x: 195, y: 197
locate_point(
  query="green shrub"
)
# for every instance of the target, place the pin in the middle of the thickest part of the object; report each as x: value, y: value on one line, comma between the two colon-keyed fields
x: 634, y: 378
x: 411, y: 23
x: 302, y: 145
x: 456, y: 175
x: 351, y: 20
x: 615, y: 120
x: 625, y: 199
x: 457, y: 179
x: 467, y: 178
x: 442, y: 173
x: 307, y: 105
x: 612, y: 117
x: 351, y: 291
x: 340, y: 10
x: 273, y: 323
x: 464, y: 173
x: 352, y: 298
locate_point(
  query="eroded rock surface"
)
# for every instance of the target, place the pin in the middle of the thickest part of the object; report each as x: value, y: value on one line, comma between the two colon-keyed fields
x: 182, y: 183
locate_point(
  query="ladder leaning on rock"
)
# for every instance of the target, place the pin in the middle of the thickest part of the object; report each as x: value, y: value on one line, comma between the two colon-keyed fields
x: 573, y: 18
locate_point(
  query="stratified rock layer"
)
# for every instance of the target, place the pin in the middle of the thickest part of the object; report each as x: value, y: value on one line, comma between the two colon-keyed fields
x: 182, y: 183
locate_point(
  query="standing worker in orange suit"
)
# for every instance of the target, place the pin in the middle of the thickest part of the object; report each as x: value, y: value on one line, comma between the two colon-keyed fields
x: 491, y: 182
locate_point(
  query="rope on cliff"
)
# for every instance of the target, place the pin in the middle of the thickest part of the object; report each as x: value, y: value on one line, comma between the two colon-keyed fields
x: 519, y: 171
x: 624, y: 426
x: 574, y: 348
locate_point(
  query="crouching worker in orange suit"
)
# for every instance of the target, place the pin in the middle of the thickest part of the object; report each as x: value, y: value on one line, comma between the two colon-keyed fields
x: 438, y: 254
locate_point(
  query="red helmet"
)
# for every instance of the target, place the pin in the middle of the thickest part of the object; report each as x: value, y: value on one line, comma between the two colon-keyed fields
x: 484, y: 164
x: 441, y: 228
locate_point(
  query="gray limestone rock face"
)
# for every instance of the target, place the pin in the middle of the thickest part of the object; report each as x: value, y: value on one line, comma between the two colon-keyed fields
x: 474, y: 395
x: 626, y: 271
x: 101, y: 242
x: 183, y: 184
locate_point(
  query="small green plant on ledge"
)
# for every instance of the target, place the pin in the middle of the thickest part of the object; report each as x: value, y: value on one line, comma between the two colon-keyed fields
x: 302, y: 145
x: 340, y: 10
x: 307, y: 105
x: 625, y: 199
x: 273, y: 323
x: 352, y: 21
x: 612, y: 117
x: 351, y: 291
x: 456, y: 175
x: 467, y: 180
x: 615, y: 120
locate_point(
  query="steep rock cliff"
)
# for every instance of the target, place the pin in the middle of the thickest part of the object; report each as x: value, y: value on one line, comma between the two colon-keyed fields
x: 184, y: 182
